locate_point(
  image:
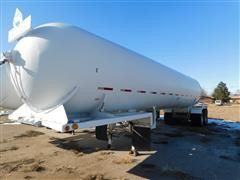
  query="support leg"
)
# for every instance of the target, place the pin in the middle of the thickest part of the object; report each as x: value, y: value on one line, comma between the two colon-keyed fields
x: 109, y: 141
x: 154, y: 118
x: 133, y: 150
x: 109, y: 136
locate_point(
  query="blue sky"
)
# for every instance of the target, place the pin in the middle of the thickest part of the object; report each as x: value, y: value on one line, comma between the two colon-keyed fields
x: 197, y: 38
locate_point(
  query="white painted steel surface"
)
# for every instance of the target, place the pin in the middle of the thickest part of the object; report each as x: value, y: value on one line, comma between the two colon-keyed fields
x: 57, y: 64
x: 8, y: 96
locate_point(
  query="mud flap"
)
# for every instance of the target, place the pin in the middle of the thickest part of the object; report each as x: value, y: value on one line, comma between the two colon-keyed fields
x: 101, y: 132
x: 141, y: 138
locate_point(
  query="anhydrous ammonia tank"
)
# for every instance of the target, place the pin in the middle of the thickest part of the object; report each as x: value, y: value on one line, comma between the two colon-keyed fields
x: 57, y: 64
x: 8, y: 96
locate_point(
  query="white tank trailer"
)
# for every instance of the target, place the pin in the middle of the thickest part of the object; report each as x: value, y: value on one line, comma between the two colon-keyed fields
x: 69, y: 78
x: 8, y: 96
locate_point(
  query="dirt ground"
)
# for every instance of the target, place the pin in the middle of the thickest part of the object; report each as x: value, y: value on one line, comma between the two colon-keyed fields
x: 178, y: 152
x: 226, y: 112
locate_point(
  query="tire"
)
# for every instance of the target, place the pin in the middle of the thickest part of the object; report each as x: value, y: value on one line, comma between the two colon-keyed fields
x: 197, y: 119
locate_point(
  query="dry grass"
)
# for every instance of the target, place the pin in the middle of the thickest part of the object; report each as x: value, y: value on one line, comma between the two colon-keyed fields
x: 12, y: 148
x: 95, y: 177
x: 106, y: 153
x: 124, y: 160
x: 78, y: 153
x: 231, y: 112
x: 33, y: 168
x: 28, y: 177
x: 103, y: 155
x: 4, y: 119
x: 24, y: 165
x: 3, y: 141
x: 67, y: 169
x: 29, y: 134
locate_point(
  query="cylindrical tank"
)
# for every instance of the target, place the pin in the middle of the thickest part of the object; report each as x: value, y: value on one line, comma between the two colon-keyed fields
x: 8, y: 96
x: 57, y: 64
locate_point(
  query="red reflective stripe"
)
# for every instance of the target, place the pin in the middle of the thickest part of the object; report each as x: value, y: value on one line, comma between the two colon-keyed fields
x: 140, y: 91
x: 105, y: 88
x: 126, y: 90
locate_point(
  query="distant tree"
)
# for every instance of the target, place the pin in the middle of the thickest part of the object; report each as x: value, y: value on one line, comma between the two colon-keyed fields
x: 221, y: 92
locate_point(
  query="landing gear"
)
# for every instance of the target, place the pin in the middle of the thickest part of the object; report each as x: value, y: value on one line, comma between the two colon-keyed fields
x: 109, y: 145
x: 73, y: 132
x: 133, y: 151
x: 141, y: 138
x: 157, y: 115
x: 140, y: 130
x: 105, y: 133
x: 109, y: 136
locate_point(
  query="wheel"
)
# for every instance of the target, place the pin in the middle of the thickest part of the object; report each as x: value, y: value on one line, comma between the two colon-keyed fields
x: 109, y: 146
x: 202, y: 119
x: 197, y: 119
x: 135, y: 153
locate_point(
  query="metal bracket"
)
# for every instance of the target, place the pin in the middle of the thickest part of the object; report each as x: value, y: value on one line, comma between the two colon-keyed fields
x: 5, y: 58
x: 101, y: 103
x: 154, y: 118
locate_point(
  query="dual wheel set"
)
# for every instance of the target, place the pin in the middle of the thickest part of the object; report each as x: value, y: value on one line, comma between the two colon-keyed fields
x: 200, y: 119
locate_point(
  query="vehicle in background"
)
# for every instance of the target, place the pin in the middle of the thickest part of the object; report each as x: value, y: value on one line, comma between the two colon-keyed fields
x: 218, y: 102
